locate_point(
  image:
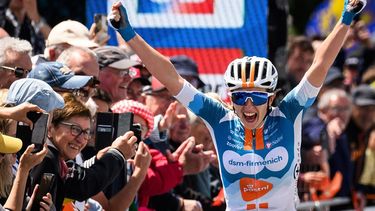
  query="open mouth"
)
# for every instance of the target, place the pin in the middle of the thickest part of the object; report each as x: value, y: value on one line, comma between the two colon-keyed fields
x: 250, y: 117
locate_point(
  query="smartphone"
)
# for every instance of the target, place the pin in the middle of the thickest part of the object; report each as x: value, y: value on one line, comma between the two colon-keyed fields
x: 137, y: 130
x: 45, y: 186
x: 104, y: 130
x: 101, y: 27
x: 122, y: 123
x: 37, y: 135
x: 39, y: 132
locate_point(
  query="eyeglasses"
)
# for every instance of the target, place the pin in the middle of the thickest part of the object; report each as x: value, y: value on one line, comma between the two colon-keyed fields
x: 76, y: 130
x: 123, y: 72
x: 19, y: 72
x: 257, y: 98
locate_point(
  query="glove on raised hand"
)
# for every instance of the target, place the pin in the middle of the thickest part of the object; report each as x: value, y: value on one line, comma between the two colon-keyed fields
x: 350, y: 11
x: 122, y: 25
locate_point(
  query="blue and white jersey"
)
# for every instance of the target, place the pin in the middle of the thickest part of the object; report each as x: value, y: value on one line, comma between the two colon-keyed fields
x: 259, y: 168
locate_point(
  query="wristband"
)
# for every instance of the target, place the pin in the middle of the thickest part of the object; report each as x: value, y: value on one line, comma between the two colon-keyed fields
x: 123, y: 26
x: 350, y: 12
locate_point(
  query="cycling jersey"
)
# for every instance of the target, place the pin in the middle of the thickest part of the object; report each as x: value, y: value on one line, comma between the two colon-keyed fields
x: 259, y: 168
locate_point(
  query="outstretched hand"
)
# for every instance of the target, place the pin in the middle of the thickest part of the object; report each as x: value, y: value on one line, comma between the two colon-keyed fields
x: 118, y: 19
x: 19, y: 112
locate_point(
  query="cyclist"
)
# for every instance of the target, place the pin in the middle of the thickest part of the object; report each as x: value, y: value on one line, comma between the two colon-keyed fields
x: 258, y: 146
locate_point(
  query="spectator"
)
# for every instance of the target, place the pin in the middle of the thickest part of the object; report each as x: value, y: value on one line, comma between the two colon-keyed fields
x: 27, y: 162
x: 366, y: 184
x: 351, y: 71
x: 67, y: 135
x: 15, y: 61
x: 81, y: 60
x: 135, y: 89
x: 24, y: 21
x: 62, y: 79
x: 115, y: 73
x: 102, y: 100
x: 328, y: 131
x: 141, y: 68
x: 36, y: 92
x: 188, y: 69
x: 8, y: 146
x: 62, y: 36
x: 300, y: 58
x: 362, y: 118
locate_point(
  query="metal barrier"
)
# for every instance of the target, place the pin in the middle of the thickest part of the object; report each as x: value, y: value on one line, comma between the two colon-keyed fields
x: 322, y: 205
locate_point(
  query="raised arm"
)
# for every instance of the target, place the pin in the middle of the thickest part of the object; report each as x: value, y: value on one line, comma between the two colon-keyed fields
x: 159, y: 65
x: 328, y: 50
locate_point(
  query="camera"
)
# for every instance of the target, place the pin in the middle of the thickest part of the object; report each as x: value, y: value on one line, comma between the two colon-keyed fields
x: 109, y: 126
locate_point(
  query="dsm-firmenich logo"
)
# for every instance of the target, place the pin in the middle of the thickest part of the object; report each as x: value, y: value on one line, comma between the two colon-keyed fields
x: 185, y: 13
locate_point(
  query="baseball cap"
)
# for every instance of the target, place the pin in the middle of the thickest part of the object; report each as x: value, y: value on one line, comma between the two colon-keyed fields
x: 60, y: 76
x: 9, y: 144
x: 115, y: 57
x: 71, y: 32
x: 36, y: 92
x: 333, y: 74
x: 363, y: 95
x: 352, y: 62
x: 186, y: 66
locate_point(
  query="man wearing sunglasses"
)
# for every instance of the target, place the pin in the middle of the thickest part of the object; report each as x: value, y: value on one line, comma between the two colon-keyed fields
x: 15, y: 61
x: 115, y: 73
x: 258, y: 146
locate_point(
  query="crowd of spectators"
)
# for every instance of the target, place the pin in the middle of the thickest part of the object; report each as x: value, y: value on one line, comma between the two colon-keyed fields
x: 62, y: 71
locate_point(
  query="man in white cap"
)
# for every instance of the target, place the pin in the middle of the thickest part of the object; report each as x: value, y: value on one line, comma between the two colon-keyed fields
x: 62, y: 36
x: 115, y: 73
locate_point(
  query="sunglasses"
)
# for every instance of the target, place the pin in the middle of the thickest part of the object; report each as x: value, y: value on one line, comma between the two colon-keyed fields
x: 256, y: 97
x: 18, y: 71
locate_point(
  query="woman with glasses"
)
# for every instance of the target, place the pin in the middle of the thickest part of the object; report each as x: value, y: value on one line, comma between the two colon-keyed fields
x: 258, y: 146
x: 68, y: 134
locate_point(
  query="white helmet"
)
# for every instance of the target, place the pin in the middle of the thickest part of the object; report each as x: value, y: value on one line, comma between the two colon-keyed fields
x: 249, y: 72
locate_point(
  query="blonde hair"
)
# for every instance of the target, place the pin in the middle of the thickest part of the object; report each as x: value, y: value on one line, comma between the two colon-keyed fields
x: 6, y: 176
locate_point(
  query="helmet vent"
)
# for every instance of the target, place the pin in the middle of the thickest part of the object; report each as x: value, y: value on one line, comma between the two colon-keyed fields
x: 266, y: 83
x: 239, y: 70
x: 273, y: 70
x: 232, y: 71
x: 264, y: 72
x: 256, y: 70
x: 247, y: 71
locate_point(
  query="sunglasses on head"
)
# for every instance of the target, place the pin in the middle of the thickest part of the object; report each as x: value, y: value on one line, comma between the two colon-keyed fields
x: 18, y: 71
x: 256, y: 97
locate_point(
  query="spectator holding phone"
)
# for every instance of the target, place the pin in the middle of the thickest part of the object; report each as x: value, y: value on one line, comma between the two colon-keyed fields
x: 164, y: 172
x: 67, y: 136
x: 28, y: 160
